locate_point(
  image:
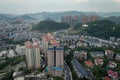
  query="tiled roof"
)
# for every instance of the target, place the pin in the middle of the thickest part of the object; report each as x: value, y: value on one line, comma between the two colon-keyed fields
x: 112, y: 73
x: 89, y: 63
x: 109, y: 51
x: 107, y: 78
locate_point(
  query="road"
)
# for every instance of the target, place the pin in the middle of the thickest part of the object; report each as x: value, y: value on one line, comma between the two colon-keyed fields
x: 68, y: 75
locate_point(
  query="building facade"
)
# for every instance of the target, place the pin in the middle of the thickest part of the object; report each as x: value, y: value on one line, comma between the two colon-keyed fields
x: 33, y: 54
x: 55, y: 60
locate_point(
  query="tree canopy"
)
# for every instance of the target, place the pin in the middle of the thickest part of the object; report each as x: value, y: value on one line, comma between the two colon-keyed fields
x: 103, y: 29
x: 50, y: 26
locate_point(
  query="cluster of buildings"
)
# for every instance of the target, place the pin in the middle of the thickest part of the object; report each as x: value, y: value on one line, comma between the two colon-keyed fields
x: 76, y: 41
x: 98, y: 60
x: 7, y: 53
x: 73, y: 20
x: 35, y: 50
x: 12, y: 51
x: 25, y: 35
x: 52, y: 52
x: 17, y: 29
x: 91, y: 18
x: 97, y: 42
x: 113, y: 39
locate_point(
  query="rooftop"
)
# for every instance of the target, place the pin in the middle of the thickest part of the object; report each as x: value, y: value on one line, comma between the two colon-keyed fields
x: 79, y: 67
x: 96, y: 52
x: 89, y: 63
x: 107, y: 78
x: 112, y: 73
x: 109, y: 51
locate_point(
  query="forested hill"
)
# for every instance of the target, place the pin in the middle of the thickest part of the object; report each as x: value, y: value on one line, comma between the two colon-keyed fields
x: 102, y: 29
x: 50, y: 26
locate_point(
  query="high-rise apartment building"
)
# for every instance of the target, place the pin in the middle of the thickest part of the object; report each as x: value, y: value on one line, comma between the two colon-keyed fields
x: 33, y: 54
x: 93, y: 18
x: 55, y: 60
x: 45, y: 42
x: 71, y: 20
x: 53, y: 54
x: 86, y: 19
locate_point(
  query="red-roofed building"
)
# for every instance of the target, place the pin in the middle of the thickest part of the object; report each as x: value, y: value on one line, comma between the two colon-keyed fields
x: 107, y: 78
x: 89, y: 64
x: 45, y: 41
x: 48, y: 39
x: 54, y: 42
x: 113, y: 74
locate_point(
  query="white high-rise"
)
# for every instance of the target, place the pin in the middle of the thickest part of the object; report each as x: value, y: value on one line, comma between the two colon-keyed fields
x: 33, y: 54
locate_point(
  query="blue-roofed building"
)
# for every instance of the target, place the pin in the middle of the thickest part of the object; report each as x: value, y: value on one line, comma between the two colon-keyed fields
x: 81, y: 72
x: 56, y: 68
x: 97, y: 54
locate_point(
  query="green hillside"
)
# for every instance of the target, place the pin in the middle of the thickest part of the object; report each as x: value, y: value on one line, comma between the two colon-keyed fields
x: 102, y: 29
x: 50, y: 26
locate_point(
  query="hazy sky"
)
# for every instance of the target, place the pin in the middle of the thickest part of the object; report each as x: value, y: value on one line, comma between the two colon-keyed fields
x: 33, y: 6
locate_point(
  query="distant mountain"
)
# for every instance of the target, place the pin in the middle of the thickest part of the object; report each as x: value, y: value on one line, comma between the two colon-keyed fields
x: 14, y: 17
x: 27, y: 17
x: 56, y: 16
x: 6, y: 16
x: 113, y: 19
x: 48, y: 19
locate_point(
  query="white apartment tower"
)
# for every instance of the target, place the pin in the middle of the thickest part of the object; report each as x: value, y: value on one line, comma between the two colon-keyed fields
x: 33, y: 54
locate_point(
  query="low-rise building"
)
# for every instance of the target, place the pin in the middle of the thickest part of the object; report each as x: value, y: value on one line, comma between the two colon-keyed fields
x: 79, y: 43
x: 89, y: 64
x: 18, y: 76
x: 107, y: 78
x: 80, y: 54
x: 98, y: 61
x: 118, y: 40
x: 112, y: 39
x: 20, y: 50
x: 112, y: 64
x: 3, y: 54
x: 112, y: 74
x: 67, y: 51
x: 117, y: 56
x: 96, y: 54
x: 11, y: 53
x: 72, y: 46
x: 109, y: 54
x: 76, y: 54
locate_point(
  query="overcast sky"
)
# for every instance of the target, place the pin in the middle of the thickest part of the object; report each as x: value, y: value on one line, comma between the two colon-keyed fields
x: 33, y: 6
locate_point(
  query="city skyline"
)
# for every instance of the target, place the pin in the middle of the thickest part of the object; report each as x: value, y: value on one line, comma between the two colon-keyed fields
x: 34, y: 6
